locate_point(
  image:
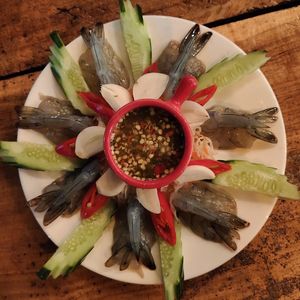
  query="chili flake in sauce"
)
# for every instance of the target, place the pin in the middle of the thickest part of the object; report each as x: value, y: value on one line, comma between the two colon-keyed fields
x: 147, y: 143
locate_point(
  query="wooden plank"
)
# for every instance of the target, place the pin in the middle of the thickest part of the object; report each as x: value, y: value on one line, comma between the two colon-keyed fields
x: 268, y: 268
x: 25, y: 25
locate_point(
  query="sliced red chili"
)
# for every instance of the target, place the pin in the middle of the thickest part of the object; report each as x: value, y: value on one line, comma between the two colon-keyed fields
x: 97, y: 104
x: 203, y: 96
x: 163, y: 222
x: 92, y: 202
x: 152, y: 69
x: 159, y: 169
x: 216, y: 166
x: 67, y: 148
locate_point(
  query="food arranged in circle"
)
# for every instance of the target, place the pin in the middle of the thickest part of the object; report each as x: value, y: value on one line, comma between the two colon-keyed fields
x: 147, y: 144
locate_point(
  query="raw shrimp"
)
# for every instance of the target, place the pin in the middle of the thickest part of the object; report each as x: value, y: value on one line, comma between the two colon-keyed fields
x: 55, y: 106
x: 88, y: 69
x: 194, y: 66
x: 63, y: 197
x: 127, y: 247
x: 141, y: 233
x: 229, y: 128
x: 55, y: 118
x: 109, y: 67
x: 178, y: 66
x: 209, y: 212
x: 59, y: 107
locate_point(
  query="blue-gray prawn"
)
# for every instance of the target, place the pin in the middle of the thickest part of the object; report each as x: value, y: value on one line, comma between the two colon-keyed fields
x: 229, y: 128
x: 64, y: 195
x: 55, y: 118
x: 178, y: 59
x: 108, y: 66
x: 209, y: 211
x: 133, y: 235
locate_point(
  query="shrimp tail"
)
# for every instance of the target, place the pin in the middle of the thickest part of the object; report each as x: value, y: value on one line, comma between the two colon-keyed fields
x: 122, y: 256
x: 89, y: 35
x: 263, y: 134
x: 43, y: 202
x: 263, y: 117
x: 266, y: 115
x: 226, y: 235
x: 186, y: 51
x: 201, y: 41
x: 226, y: 219
x: 94, y: 38
x: 126, y: 259
x: 146, y: 257
x: 54, y: 212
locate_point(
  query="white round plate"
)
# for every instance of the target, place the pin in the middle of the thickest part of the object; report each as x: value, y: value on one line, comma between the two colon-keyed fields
x: 251, y: 94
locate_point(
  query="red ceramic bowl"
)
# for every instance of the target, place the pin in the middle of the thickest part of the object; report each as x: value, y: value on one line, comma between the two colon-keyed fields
x: 186, y: 86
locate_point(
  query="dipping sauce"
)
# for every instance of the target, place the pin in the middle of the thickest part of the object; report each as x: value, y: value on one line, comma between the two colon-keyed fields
x: 147, y: 143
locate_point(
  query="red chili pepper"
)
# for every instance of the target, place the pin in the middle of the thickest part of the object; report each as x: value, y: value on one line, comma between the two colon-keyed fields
x: 203, y: 96
x: 92, y: 202
x: 216, y: 166
x: 151, y: 69
x: 159, y: 169
x: 67, y: 148
x: 164, y: 221
x: 97, y: 104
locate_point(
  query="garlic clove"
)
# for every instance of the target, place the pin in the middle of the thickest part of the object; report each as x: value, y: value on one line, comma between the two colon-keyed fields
x: 149, y: 199
x: 194, y: 113
x: 195, y: 173
x: 115, y: 95
x: 150, y: 86
x: 89, y: 141
x: 109, y: 184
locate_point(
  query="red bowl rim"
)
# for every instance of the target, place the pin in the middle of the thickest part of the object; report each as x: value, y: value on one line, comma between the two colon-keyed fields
x: 153, y: 183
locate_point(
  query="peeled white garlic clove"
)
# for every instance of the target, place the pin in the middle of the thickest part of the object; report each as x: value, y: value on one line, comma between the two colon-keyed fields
x: 109, y: 184
x: 194, y: 113
x: 89, y: 141
x: 115, y: 95
x: 149, y: 199
x: 195, y: 173
x: 150, y: 86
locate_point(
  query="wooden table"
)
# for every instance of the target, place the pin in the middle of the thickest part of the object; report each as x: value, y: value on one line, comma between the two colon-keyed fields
x: 269, y: 267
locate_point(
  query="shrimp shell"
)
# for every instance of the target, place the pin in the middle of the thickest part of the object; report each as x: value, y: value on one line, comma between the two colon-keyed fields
x: 209, y: 212
x: 229, y: 128
x: 109, y: 67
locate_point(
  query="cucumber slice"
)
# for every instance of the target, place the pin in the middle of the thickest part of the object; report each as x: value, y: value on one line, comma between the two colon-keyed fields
x: 137, y: 41
x: 68, y: 74
x: 77, y: 246
x: 35, y: 156
x: 259, y: 178
x: 172, y: 266
x: 230, y: 70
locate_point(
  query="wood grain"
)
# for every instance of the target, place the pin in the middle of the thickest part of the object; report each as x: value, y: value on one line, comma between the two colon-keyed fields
x: 268, y: 268
x: 25, y: 25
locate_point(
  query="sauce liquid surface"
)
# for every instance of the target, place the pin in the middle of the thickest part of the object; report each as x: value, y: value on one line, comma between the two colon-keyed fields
x: 148, y: 143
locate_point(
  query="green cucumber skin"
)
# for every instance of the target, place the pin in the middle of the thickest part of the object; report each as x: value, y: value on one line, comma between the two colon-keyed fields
x: 137, y: 41
x: 78, y: 245
x: 40, y: 157
x: 68, y: 74
x: 56, y: 39
x: 231, y: 70
x: 172, y: 266
x: 254, y: 177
